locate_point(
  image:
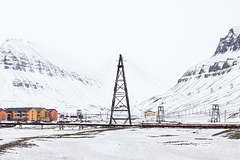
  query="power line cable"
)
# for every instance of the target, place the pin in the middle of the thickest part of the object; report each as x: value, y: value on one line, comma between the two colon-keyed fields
x: 98, y: 76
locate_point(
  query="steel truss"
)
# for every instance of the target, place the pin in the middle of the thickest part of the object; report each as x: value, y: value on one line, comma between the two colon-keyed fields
x: 120, y: 102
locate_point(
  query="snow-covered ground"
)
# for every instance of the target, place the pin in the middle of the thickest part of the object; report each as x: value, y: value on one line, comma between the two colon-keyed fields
x: 108, y: 144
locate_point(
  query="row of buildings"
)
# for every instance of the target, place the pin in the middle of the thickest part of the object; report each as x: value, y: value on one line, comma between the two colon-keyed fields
x: 28, y: 114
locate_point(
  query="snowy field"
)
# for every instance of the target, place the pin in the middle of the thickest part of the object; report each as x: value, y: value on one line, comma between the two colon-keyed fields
x: 118, y: 144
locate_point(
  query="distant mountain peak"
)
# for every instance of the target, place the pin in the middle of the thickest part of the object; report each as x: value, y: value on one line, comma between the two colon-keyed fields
x: 231, y: 42
x: 236, y: 30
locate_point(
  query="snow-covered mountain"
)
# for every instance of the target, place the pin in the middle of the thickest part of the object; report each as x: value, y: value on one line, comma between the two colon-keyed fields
x: 29, y: 79
x: 213, y: 81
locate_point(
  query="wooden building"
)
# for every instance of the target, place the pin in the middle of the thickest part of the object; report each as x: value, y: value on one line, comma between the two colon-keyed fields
x: 31, y: 114
x: 22, y: 114
x: 43, y: 114
x: 3, y: 115
x: 16, y: 114
x: 53, y: 114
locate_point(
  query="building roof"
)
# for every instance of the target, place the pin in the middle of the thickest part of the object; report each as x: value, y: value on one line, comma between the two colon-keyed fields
x: 26, y: 109
x: 50, y: 110
x: 1, y: 110
x: 39, y: 109
x: 18, y: 109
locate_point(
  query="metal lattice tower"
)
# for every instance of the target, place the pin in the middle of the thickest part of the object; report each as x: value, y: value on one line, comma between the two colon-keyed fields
x: 215, y: 113
x: 160, y: 114
x: 120, y: 109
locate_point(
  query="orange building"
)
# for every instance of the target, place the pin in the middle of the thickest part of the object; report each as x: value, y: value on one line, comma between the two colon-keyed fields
x: 32, y: 114
x: 21, y: 114
x: 3, y: 115
x: 43, y: 114
x: 16, y: 114
x: 53, y: 114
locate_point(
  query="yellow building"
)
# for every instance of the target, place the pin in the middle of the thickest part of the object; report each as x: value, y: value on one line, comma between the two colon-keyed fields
x: 149, y: 113
x: 43, y: 114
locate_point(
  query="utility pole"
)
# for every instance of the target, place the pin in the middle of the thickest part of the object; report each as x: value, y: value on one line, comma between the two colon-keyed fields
x: 215, y: 113
x: 79, y: 115
x: 225, y: 116
x: 120, y: 101
x: 160, y: 114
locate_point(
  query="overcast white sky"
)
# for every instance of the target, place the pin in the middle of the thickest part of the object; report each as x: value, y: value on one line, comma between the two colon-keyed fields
x: 163, y: 38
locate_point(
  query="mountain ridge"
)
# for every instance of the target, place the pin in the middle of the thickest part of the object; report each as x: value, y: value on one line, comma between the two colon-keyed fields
x: 13, y: 56
x: 212, y: 81
x: 29, y: 79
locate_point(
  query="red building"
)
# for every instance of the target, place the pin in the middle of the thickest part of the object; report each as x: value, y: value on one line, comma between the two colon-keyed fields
x: 53, y: 114
x: 3, y: 115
